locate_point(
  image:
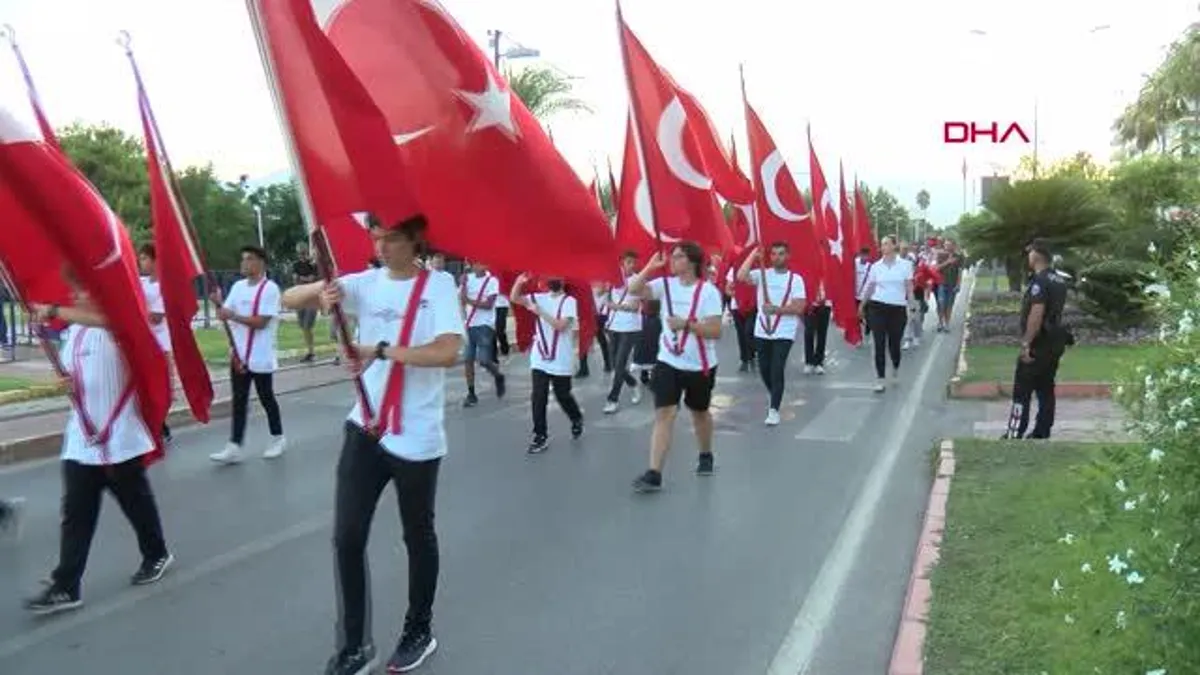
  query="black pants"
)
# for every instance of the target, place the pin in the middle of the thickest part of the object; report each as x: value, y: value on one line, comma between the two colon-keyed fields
x: 501, y: 347
x: 772, y: 365
x: 83, y: 491
x: 264, y: 385
x: 743, y: 324
x: 816, y: 330
x: 540, y: 399
x: 363, y: 470
x: 1032, y: 379
x: 602, y: 340
x: 887, y: 325
x: 622, y: 345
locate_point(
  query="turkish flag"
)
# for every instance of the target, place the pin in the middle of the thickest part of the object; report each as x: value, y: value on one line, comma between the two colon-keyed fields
x: 342, y: 141
x: 635, y: 222
x: 178, y: 265
x: 847, y: 271
x: 728, y: 179
x: 40, y: 191
x: 829, y: 233
x: 679, y: 200
x: 779, y: 207
x: 864, y: 232
x: 482, y: 169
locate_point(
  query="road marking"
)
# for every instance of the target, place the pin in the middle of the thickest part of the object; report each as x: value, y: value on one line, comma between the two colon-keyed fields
x: 184, y: 577
x: 800, y: 644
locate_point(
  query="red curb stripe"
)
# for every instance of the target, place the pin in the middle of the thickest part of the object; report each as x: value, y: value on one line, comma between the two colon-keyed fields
x: 908, y: 650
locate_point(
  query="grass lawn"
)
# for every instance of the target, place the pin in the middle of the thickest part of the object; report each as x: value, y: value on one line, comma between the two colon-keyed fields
x: 1082, y: 363
x: 993, y: 610
x: 15, y: 383
x: 215, y: 346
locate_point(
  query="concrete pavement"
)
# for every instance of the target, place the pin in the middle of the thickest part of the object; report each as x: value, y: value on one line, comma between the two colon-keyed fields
x: 803, y: 540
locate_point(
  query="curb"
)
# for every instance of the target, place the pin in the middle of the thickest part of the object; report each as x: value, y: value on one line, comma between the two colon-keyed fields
x: 908, y: 651
x: 961, y: 369
x: 49, y: 445
x: 1003, y: 390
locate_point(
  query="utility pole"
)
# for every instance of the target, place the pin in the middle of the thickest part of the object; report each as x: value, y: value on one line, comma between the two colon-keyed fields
x: 495, y: 35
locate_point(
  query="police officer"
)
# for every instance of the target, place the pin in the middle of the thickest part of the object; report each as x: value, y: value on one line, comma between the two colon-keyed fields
x: 1043, y: 341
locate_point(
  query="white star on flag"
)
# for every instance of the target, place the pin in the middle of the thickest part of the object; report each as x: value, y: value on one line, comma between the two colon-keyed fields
x: 493, y: 108
x: 835, y: 247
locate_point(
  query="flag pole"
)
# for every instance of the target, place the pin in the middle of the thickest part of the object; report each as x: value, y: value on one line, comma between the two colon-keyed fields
x: 324, y: 256
x: 125, y: 41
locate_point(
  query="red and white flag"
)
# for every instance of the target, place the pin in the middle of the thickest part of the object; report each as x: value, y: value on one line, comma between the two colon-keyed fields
x: 781, y: 213
x: 35, y: 101
x: 45, y: 199
x: 178, y: 262
x: 674, y: 187
x: 846, y: 315
x: 443, y: 128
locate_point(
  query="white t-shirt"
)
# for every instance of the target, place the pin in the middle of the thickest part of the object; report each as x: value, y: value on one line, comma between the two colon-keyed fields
x: 731, y: 278
x: 154, y: 304
x: 600, y: 300
x: 380, y: 303
x: 889, y: 281
x: 779, y: 295
x: 554, y: 353
x: 624, y: 320
x: 860, y: 277
x: 102, y: 378
x: 479, y: 289
x: 262, y: 357
x: 695, y: 354
x: 501, y: 301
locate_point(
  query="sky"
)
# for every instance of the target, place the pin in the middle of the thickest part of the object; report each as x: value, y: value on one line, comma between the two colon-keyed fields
x: 876, y: 79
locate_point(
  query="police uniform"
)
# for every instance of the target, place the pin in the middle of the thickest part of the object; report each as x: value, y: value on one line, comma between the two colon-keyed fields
x: 1037, y: 377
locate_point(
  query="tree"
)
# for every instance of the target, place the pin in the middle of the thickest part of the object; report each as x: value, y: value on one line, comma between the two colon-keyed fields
x: 545, y: 91
x: 115, y: 163
x: 923, y: 201
x: 1080, y: 165
x: 283, y: 224
x: 1070, y: 214
x: 1153, y: 199
x: 888, y: 216
x: 1166, y: 113
x: 223, y: 220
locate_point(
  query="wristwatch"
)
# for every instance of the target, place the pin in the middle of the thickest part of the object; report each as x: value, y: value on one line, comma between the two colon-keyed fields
x: 380, y: 349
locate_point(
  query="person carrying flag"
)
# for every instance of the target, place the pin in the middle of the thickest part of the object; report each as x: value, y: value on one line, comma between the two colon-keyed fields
x: 552, y: 357
x: 410, y: 330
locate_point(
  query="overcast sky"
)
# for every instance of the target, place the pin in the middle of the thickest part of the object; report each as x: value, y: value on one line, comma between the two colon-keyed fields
x: 876, y: 78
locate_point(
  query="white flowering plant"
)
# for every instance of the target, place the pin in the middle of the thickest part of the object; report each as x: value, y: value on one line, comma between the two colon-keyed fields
x: 1136, y: 583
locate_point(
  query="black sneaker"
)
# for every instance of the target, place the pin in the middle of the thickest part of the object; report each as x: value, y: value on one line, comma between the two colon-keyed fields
x: 583, y: 372
x: 152, y: 571
x: 358, y: 661
x: 704, y: 465
x: 470, y: 401
x: 745, y: 367
x: 415, y: 646
x: 538, y: 445
x: 651, y: 481
x: 308, y: 358
x: 10, y: 517
x: 501, y: 386
x: 576, y: 429
x: 53, y: 600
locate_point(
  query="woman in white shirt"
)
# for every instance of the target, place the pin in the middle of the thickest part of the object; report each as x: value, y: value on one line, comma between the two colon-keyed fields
x: 886, y: 297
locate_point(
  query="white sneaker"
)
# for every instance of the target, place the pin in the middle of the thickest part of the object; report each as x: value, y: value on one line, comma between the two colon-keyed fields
x: 276, y: 448
x: 611, y: 407
x: 635, y: 396
x: 232, y: 454
x: 880, y: 387
x: 772, y: 418
x: 906, y: 345
x: 808, y: 370
x: 916, y: 342
x: 820, y: 370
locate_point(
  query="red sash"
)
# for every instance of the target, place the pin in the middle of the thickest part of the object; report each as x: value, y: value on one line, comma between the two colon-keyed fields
x: 548, y: 353
x: 262, y: 285
x: 677, y: 345
x: 391, y: 409
x: 620, y: 301
x: 98, y: 437
x: 770, y: 325
x: 478, y: 298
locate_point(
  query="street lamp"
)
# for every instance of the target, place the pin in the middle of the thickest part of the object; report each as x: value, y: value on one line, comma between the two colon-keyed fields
x: 517, y: 51
x: 978, y: 32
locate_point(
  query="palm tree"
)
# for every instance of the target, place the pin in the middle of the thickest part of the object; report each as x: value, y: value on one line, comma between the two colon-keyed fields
x: 545, y: 91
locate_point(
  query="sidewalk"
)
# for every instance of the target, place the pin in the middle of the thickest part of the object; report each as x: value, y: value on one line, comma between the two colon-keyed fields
x: 33, y: 430
x: 1075, y: 420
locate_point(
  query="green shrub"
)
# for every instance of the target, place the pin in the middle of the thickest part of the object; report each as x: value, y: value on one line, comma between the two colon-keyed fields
x: 1113, y: 291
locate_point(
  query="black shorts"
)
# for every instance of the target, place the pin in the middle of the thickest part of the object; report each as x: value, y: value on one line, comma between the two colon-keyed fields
x: 694, y: 387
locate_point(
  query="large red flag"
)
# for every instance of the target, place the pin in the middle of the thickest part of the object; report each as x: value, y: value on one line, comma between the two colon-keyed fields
x: 478, y: 163
x: 177, y: 261
x: 846, y: 316
x: 780, y: 212
x: 829, y: 233
x: 678, y: 193
x: 41, y: 191
x: 635, y: 220
x: 864, y: 232
x: 35, y: 101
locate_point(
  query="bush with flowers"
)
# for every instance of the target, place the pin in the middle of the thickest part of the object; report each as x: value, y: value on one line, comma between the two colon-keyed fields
x: 1139, y: 594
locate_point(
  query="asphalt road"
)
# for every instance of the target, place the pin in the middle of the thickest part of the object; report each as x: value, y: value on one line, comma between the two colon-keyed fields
x: 795, y: 554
